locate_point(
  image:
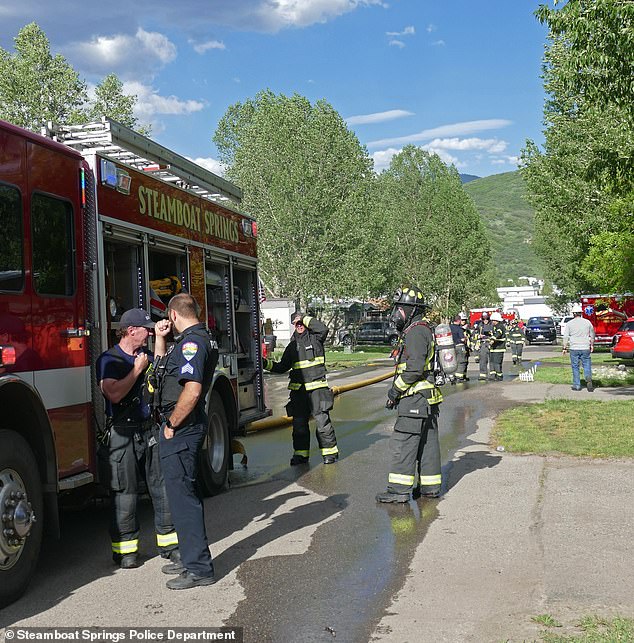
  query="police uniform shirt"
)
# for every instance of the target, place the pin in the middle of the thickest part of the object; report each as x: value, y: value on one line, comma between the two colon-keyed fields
x: 193, y: 358
x: 116, y: 364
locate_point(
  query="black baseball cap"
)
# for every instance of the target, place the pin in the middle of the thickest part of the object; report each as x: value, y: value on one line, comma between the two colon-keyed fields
x: 136, y: 317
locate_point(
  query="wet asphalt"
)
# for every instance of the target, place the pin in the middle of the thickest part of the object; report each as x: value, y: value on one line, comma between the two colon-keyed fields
x: 301, y: 553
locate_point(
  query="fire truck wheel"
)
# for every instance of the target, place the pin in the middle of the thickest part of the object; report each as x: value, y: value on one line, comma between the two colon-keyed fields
x: 216, y: 448
x: 21, y: 514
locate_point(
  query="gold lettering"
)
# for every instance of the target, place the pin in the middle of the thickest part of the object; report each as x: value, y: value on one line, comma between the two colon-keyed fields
x: 141, y: 199
x: 163, y: 208
x: 171, y: 209
x: 155, y: 204
x: 179, y: 213
x: 207, y: 222
x: 186, y: 215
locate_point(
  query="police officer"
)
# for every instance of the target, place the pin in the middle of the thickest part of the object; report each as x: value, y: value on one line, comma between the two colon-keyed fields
x: 498, y: 346
x: 516, y: 339
x: 310, y: 395
x: 461, y: 342
x: 184, y: 376
x: 133, y: 442
x: 414, y: 445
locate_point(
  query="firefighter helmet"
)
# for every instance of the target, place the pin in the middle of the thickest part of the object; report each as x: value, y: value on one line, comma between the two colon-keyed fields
x: 410, y: 296
x: 496, y: 316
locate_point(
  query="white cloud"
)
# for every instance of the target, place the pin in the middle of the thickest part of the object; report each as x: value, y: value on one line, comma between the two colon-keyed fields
x: 454, y: 129
x: 202, y: 47
x: 505, y: 160
x: 378, y: 117
x: 438, y: 43
x: 150, y: 103
x: 492, y: 145
x: 397, y: 43
x: 142, y: 54
x: 408, y: 31
x: 431, y: 28
x: 445, y: 157
x: 210, y: 164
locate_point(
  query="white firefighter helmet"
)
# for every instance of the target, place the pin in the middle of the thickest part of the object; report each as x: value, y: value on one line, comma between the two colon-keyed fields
x: 576, y: 308
x: 496, y: 316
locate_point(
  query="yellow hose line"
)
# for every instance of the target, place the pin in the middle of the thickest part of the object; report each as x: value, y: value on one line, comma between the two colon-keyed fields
x: 284, y: 420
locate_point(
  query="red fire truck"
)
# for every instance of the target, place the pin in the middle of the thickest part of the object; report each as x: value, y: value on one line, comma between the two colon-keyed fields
x: 607, y: 313
x: 96, y: 220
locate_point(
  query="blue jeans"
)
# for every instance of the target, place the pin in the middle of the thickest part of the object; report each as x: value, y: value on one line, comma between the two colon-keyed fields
x: 584, y: 358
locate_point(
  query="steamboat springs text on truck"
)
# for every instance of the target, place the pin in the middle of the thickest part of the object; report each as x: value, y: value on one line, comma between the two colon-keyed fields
x: 98, y: 221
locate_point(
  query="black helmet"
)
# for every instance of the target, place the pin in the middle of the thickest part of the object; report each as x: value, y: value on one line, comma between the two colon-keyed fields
x: 410, y: 296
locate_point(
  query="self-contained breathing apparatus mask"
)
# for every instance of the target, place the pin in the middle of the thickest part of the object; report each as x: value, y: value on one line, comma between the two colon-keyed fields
x: 408, y: 301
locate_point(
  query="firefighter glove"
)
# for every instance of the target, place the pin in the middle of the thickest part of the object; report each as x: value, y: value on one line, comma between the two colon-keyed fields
x: 392, y: 398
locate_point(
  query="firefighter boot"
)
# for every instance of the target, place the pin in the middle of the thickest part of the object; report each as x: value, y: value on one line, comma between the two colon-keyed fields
x: 129, y: 561
x: 331, y: 459
x: 388, y: 496
x: 298, y: 459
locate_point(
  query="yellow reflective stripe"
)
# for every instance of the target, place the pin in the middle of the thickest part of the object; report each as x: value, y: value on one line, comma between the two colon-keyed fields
x: 330, y: 451
x: 268, y: 364
x: 428, y: 481
x: 311, y: 386
x: 165, y: 540
x: 307, y: 363
x: 307, y: 320
x: 295, y: 386
x: 126, y: 547
x: 304, y: 454
x: 400, y: 384
x: 398, y: 478
x: 497, y: 350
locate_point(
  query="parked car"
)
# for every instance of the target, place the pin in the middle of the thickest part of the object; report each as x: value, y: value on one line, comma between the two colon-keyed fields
x: 562, y: 324
x: 623, y: 341
x: 541, y: 330
x: 369, y: 332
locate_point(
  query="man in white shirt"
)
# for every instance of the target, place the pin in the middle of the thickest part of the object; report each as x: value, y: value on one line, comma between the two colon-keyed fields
x: 579, y: 336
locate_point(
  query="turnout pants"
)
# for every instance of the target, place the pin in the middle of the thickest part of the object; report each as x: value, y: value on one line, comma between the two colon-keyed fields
x: 301, y: 406
x: 415, y: 450
x: 179, y: 458
x: 484, y: 360
x: 133, y: 456
x: 516, y: 352
x: 496, y: 358
x: 462, y: 358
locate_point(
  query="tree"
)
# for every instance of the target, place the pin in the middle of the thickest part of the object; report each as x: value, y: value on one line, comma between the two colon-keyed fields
x: 582, y: 183
x: 308, y: 181
x: 36, y: 86
x: 434, y: 236
x: 112, y: 102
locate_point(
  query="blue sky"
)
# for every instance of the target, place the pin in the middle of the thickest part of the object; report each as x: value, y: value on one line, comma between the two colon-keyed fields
x: 457, y: 77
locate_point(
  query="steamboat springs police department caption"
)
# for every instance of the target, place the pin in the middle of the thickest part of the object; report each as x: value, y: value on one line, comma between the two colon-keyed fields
x: 124, y: 635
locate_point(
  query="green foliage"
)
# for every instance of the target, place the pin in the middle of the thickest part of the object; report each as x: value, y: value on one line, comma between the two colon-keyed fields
x: 582, y: 184
x: 308, y: 180
x: 433, y: 235
x: 37, y: 87
x: 509, y: 220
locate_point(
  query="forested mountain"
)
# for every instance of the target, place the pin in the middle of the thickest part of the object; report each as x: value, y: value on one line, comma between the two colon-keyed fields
x: 510, y: 222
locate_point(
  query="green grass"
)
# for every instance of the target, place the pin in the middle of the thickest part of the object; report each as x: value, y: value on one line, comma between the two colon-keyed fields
x: 578, y: 428
x: 547, y: 620
x: 596, y: 630
x: 605, y: 371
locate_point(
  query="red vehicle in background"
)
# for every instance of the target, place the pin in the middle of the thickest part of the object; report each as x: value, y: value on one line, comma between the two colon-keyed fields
x: 476, y: 313
x: 623, y: 341
x: 607, y: 314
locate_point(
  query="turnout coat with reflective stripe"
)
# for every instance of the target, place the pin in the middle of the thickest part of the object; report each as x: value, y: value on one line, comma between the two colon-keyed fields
x: 414, y: 369
x: 304, y: 357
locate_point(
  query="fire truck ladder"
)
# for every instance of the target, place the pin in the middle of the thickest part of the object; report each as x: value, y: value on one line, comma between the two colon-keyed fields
x: 124, y: 145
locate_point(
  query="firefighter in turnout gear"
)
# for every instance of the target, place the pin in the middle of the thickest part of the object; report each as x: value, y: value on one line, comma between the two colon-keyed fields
x: 482, y: 331
x: 133, y: 452
x: 414, y: 445
x: 460, y: 335
x: 516, y: 339
x: 498, y: 346
x: 304, y: 357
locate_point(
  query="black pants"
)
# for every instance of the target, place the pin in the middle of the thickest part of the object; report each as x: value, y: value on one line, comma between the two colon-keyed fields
x: 415, y: 451
x: 179, y: 459
x: 301, y: 406
x: 133, y: 456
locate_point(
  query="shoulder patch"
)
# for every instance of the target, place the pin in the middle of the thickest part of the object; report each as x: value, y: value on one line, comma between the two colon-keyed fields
x: 189, y: 349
